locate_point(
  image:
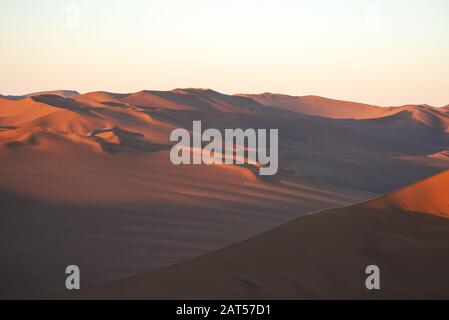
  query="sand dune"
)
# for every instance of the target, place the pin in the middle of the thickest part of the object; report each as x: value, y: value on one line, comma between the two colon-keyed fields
x: 47, y: 116
x: 101, y: 98
x: 130, y: 212
x: 323, y: 255
x: 93, y: 170
x: 320, y: 106
x: 191, y: 99
x: 429, y: 196
x: 103, y: 174
x: 26, y: 110
x: 417, y: 114
x: 313, y: 105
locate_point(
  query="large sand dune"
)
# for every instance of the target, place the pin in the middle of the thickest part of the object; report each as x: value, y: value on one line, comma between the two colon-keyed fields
x: 322, y: 255
x: 87, y: 179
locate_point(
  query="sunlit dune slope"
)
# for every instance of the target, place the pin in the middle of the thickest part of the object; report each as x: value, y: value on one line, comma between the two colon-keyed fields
x: 44, y: 117
x: 430, y: 196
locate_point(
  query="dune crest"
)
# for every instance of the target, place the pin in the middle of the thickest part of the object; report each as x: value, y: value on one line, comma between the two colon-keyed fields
x: 435, y: 118
x: 424, y: 115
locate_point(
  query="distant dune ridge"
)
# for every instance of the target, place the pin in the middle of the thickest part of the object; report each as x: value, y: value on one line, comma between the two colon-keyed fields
x: 319, y: 106
x: 20, y: 112
x: 422, y: 114
x: 93, y: 171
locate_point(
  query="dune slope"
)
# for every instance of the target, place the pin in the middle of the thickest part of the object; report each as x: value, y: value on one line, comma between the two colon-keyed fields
x: 413, y: 115
x: 321, y: 255
x: 429, y: 196
x: 435, y: 118
x: 319, y: 106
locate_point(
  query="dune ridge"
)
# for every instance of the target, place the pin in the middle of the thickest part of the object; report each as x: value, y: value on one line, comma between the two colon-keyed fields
x: 337, y: 109
x: 319, y: 106
x: 417, y: 114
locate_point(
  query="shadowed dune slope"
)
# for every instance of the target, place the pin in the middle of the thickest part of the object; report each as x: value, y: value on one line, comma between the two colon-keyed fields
x: 117, y: 214
x: 100, y: 97
x: 322, y: 255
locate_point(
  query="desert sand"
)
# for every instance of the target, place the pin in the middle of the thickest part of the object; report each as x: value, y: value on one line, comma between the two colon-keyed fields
x: 86, y: 178
x: 319, y: 106
x: 318, y: 256
x: 337, y: 109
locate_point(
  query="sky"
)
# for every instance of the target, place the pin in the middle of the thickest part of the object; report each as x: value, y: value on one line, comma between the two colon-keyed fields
x: 383, y: 52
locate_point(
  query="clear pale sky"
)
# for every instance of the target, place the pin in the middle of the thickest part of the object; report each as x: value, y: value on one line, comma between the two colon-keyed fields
x: 386, y: 52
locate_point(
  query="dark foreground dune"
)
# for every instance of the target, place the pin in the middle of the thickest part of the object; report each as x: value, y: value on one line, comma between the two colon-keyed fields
x: 322, y: 255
